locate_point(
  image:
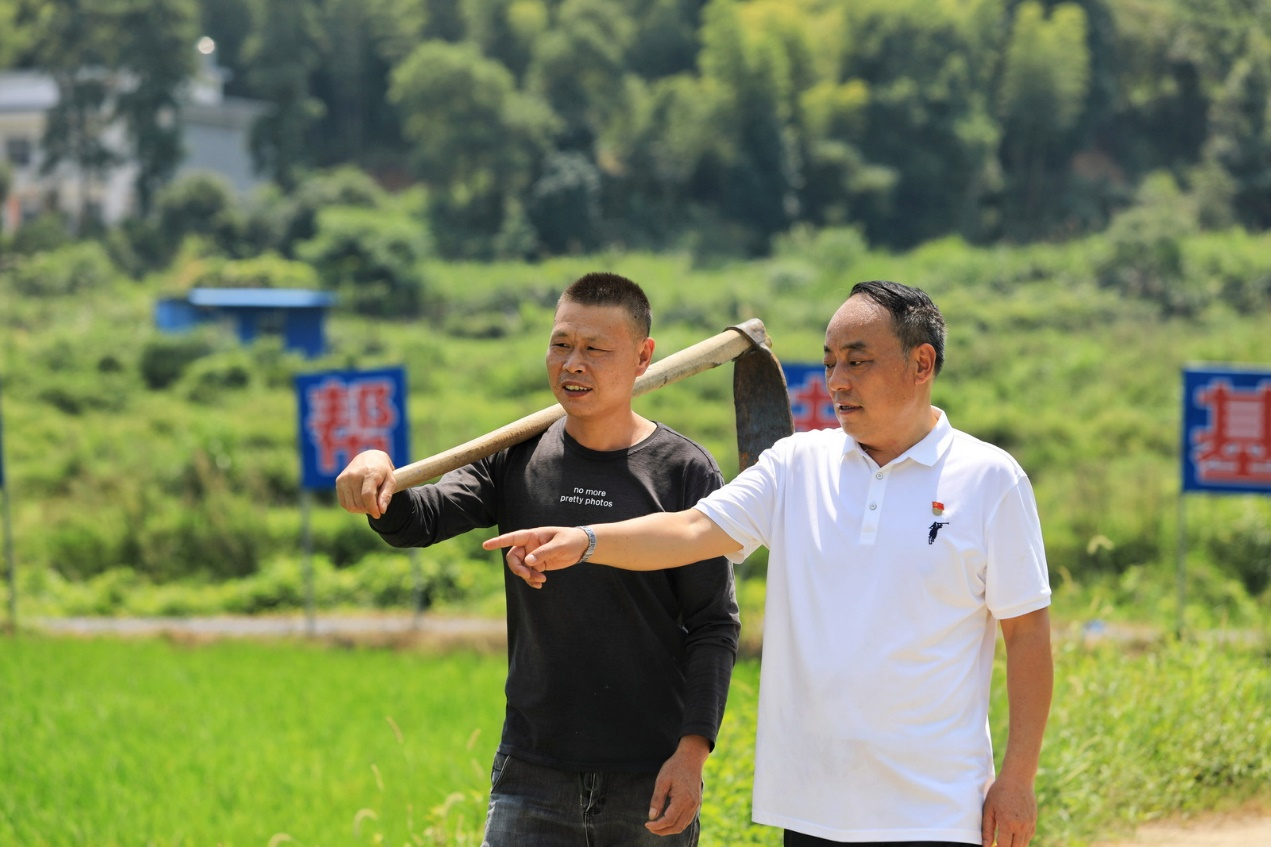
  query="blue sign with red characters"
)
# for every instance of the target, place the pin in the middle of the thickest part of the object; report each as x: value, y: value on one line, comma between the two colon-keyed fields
x: 343, y: 413
x: 1227, y: 430
x: 810, y: 401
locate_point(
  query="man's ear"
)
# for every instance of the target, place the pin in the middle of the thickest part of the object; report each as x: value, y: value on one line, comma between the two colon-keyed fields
x: 924, y: 359
x: 646, y: 356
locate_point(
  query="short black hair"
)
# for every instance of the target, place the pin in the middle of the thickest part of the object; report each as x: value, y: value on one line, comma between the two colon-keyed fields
x: 600, y: 288
x: 916, y: 318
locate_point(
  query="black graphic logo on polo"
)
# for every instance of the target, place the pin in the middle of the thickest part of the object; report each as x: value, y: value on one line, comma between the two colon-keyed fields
x: 933, y: 529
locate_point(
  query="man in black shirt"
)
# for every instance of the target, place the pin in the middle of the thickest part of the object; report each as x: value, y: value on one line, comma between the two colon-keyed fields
x: 616, y: 680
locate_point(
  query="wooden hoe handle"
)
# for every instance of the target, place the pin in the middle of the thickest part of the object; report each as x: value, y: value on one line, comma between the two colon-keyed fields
x: 704, y: 355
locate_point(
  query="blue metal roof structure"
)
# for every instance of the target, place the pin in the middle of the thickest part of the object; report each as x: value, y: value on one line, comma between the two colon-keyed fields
x: 298, y: 314
x: 260, y: 298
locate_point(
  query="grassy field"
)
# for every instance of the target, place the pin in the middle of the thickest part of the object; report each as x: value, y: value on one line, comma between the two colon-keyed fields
x: 153, y: 743
x: 150, y: 742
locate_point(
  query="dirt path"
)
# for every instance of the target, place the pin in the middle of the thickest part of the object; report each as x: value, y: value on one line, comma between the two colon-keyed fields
x: 426, y: 631
x: 1250, y: 828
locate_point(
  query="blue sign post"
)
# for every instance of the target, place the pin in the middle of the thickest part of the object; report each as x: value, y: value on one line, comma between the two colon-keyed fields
x: 1226, y: 441
x: 343, y: 413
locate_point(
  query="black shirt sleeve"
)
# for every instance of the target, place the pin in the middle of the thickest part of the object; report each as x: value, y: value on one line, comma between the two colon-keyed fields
x: 461, y: 500
x: 712, y: 624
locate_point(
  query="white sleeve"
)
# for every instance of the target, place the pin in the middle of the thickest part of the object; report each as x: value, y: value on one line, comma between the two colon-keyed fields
x: 746, y: 507
x: 1017, y: 579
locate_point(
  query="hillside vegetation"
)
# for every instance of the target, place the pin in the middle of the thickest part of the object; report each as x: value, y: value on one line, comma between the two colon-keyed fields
x: 159, y: 473
x: 546, y: 127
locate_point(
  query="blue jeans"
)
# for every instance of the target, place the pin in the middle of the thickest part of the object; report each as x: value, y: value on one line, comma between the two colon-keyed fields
x: 534, y: 806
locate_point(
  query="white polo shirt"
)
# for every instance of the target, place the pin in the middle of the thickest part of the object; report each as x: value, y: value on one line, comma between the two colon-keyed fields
x: 884, y: 587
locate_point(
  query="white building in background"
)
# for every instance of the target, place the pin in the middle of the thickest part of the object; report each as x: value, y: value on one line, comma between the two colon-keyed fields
x: 215, y: 133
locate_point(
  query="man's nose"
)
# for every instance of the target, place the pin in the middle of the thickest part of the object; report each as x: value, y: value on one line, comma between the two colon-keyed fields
x: 574, y: 361
x: 837, y: 379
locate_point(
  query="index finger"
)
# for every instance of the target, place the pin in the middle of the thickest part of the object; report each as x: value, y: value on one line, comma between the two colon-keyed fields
x: 516, y: 538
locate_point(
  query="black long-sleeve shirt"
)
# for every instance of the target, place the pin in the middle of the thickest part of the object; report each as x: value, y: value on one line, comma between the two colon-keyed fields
x: 607, y: 668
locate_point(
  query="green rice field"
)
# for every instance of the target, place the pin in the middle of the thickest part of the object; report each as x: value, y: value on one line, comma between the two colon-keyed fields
x: 107, y: 742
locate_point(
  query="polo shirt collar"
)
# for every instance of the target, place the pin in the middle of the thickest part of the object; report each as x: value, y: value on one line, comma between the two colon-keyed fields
x: 926, y: 452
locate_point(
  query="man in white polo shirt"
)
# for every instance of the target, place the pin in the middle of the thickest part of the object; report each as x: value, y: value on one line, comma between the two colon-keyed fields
x: 897, y: 546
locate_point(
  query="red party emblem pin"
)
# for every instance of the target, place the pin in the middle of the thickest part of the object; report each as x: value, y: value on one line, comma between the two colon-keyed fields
x: 937, y: 508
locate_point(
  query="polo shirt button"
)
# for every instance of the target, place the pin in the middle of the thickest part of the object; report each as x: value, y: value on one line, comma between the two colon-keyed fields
x: 878, y: 475
x: 873, y: 506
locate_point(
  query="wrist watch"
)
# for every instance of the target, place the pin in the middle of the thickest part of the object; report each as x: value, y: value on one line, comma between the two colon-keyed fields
x: 591, y: 543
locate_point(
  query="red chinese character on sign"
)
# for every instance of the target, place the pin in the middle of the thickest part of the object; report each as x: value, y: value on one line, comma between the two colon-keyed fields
x: 347, y: 418
x: 1237, y: 445
x: 811, y: 404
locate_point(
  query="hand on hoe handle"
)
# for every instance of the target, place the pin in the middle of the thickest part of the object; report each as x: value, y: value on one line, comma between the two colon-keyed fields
x: 366, y: 486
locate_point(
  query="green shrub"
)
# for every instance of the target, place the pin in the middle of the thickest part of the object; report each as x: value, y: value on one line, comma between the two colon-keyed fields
x: 833, y: 250
x: 1235, y: 265
x: 46, y: 233
x: 564, y: 203
x: 206, y: 380
x: 218, y: 537
x: 374, y: 260
x: 65, y: 271
x: 1242, y: 548
x: 201, y: 204
x: 268, y: 270
x: 1147, y: 258
x: 165, y: 358
x: 343, y: 538
x: 294, y: 218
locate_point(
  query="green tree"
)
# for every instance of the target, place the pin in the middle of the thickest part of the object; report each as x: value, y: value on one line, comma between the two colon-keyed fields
x: 1240, y: 131
x: 755, y: 180
x: 564, y: 203
x: 1045, y: 80
x: 476, y: 138
x: 198, y: 204
x: 72, y: 42
x: 6, y: 182
x: 665, y: 41
x: 156, y: 55
x: 928, y: 122
x: 14, y: 34
x: 373, y: 259
x: 351, y: 81
x: 281, y: 54
x: 655, y: 151
x: 505, y: 30
x: 397, y: 26
x: 443, y: 20
x: 281, y: 221
x: 229, y: 24
x: 1161, y: 117
x: 578, y: 67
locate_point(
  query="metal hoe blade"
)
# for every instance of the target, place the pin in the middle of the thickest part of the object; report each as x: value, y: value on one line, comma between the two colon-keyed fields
x: 760, y: 397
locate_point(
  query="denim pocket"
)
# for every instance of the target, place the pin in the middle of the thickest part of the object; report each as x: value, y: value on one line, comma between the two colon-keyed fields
x: 501, y: 763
